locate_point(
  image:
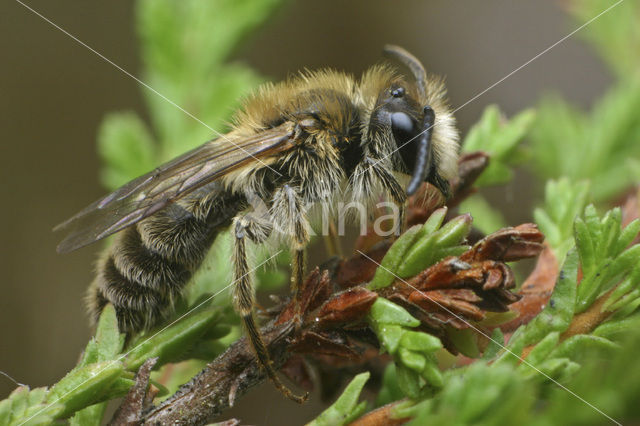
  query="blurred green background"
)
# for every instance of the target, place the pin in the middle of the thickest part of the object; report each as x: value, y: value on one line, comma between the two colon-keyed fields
x: 56, y: 92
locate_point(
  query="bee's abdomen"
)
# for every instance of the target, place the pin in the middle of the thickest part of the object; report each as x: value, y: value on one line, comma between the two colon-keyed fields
x: 147, y: 267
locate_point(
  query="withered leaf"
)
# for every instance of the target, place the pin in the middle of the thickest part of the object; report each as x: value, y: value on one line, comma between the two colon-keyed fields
x: 347, y: 306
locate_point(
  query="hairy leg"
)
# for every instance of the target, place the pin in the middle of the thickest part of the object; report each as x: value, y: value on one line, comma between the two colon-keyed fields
x: 372, y: 176
x: 244, y: 296
x: 332, y: 241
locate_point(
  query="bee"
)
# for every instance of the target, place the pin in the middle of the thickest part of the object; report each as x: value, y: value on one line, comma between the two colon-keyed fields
x: 315, y: 137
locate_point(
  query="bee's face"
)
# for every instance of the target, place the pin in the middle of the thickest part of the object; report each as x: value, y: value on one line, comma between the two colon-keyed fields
x: 411, y: 123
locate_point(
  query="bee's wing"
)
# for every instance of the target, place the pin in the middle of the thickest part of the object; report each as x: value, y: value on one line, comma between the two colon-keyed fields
x: 152, y: 192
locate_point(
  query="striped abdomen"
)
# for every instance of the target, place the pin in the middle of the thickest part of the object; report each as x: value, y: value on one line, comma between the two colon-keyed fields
x: 149, y: 263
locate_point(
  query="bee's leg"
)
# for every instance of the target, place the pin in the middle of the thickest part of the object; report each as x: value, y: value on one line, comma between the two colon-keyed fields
x: 289, y: 212
x: 402, y: 217
x: 288, y: 208
x: 390, y: 186
x: 244, y: 297
x: 332, y: 241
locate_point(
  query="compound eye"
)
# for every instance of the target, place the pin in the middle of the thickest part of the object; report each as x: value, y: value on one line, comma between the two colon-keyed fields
x: 397, y: 92
x: 402, y: 123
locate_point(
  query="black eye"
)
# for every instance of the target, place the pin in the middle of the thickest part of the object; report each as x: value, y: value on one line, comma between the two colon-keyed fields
x: 398, y: 92
x: 402, y: 124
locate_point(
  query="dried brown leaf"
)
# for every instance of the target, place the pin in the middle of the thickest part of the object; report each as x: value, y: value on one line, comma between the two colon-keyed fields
x: 347, y: 306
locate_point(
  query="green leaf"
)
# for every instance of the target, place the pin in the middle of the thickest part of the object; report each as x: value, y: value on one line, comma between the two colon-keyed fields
x: 575, y: 346
x: 478, y: 394
x: 419, y: 341
x: 418, y: 257
x: 389, y: 336
x: 411, y: 359
x: 390, y: 391
x: 121, y: 386
x: 385, y: 312
x: 385, y: 274
x: 408, y: 409
x: 169, y: 343
x: 346, y: 408
x: 84, y: 386
x: 623, y: 290
x: 628, y: 234
x: 541, y: 350
x: 624, y: 301
x: 89, y: 416
x: 626, y: 310
x: 20, y: 401
x: 622, y: 263
x: 586, y: 246
x: 554, y: 368
x: 108, y: 341
x: 108, y: 337
x: 454, y: 231
x: 28, y: 407
x: 431, y: 373
x: 564, y: 201
x: 464, y: 341
x: 493, y: 319
x: 558, y: 313
x: 443, y: 252
x: 434, y: 222
x: 429, y: 248
x: 499, y: 138
x: 610, y: 382
x: 618, y: 329
x: 605, y: 260
x: 496, y: 344
x: 408, y: 381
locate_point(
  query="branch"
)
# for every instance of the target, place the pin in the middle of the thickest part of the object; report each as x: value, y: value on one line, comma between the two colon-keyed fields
x: 228, y: 377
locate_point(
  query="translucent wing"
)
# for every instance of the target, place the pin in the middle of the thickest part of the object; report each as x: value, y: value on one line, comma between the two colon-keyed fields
x: 152, y: 192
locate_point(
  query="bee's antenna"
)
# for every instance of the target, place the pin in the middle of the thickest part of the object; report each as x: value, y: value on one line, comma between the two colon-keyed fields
x: 423, y: 152
x: 411, y: 62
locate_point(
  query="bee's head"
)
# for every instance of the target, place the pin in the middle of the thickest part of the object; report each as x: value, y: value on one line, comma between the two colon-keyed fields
x: 414, y: 114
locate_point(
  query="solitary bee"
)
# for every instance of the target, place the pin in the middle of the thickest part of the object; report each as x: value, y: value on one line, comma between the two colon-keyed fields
x: 315, y: 137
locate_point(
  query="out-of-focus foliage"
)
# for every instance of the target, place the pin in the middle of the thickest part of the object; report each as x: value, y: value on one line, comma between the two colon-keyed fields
x: 485, y: 394
x: 564, y: 200
x: 193, y: 89
x: 499, y: 138
x: 615, y: 34
x: 602, y: 145
x: 502, y: 139
x: 346, y: 408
